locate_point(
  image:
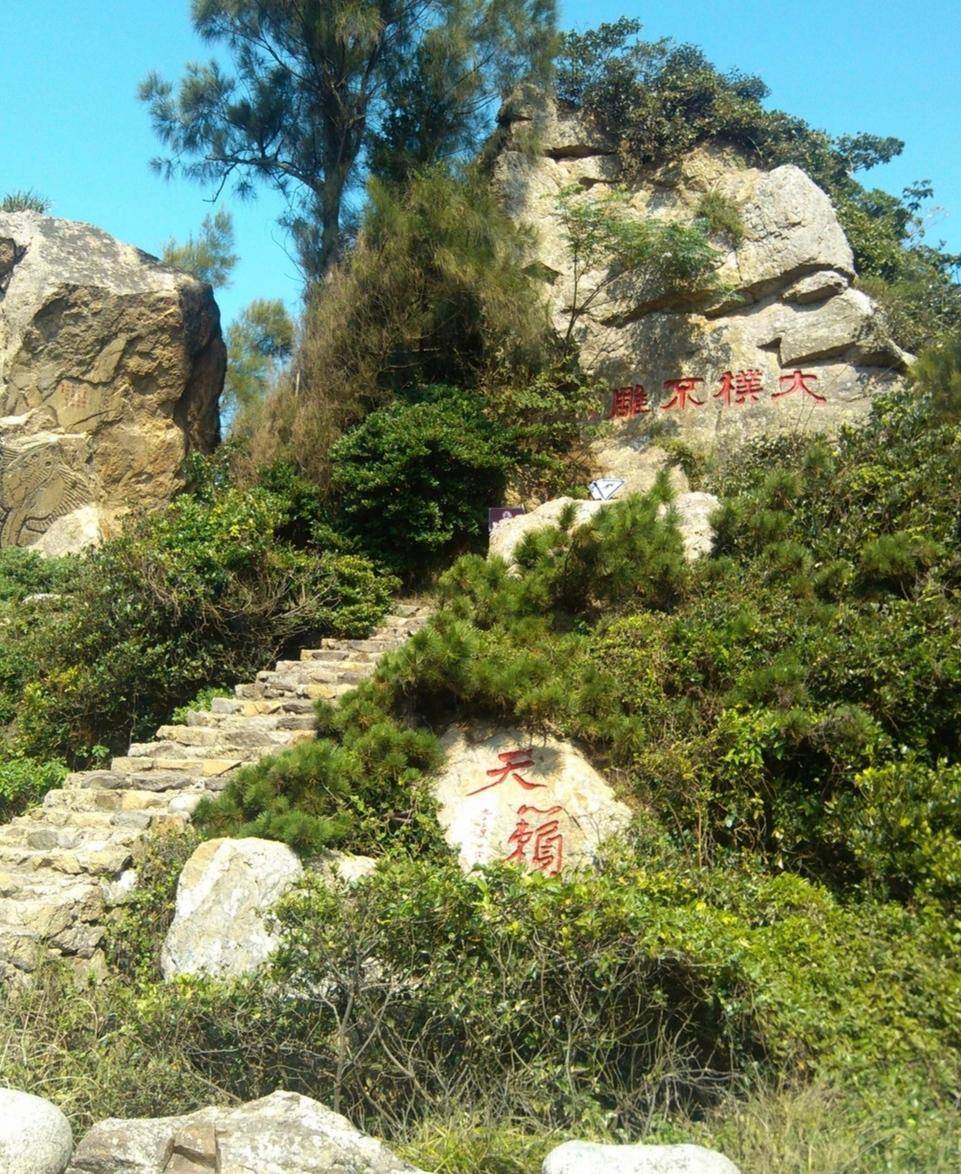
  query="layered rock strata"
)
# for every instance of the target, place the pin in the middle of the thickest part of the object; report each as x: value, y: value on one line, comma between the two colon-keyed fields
x: 111, y: 368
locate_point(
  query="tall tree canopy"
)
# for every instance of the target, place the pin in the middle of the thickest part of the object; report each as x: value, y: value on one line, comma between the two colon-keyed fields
x: 320, y: 86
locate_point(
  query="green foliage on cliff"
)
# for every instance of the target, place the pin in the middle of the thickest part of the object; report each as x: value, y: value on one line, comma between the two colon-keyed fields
x: 781, y: 716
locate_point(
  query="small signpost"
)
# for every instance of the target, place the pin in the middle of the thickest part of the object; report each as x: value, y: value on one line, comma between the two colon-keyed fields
x: 604, y: 488
x: 501, y: 514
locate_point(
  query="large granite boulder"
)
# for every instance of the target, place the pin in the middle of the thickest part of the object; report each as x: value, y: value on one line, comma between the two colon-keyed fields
x: 539, y: 804
x: 224, y: 891
x: 35, y: 1137
x: 692, y: 512
x: 782, y: 306
x: 585, y: 1157
x: 284, y: 1133
x: 111, y: 367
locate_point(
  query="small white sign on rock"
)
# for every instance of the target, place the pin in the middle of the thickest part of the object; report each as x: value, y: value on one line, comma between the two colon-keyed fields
x: 503, y: 797
x: 605, y: 488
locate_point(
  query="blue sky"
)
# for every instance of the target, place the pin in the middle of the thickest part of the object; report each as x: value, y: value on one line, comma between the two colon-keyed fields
x: 71, y: 127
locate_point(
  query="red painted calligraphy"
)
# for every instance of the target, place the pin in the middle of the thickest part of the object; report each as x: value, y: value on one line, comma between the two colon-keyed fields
x: 798, y: 382
x: 745, y: 387
x: 629, y: 401
x: 513, y: 761
x: 547, y: 850
x: 683, y: 393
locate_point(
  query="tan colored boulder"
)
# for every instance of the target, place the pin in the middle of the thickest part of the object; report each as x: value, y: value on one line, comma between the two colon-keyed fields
x: 225, y: 890
x: 510, y: 533
x: 781, y: 300
x: 537, y: 803
x: 691, y: 511
x: 111, y: 367
x: 283, y: 1133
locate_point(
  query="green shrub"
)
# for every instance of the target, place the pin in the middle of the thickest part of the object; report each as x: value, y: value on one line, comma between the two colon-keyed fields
x: 722, y: 215
x: 358, y: 787
x: 25, y: 781
x: 414, y: 481
x: 206, y: 591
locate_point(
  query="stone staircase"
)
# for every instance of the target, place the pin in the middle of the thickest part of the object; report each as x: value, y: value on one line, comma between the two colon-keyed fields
x: 65, y: 864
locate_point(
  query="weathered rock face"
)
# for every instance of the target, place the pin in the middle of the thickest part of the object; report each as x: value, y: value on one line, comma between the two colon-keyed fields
x: 35, y: 1137
x: 785, y: 307
x: 111, y: 367
x: 281, y: 1134
x: 585, y: 1157
x: 541, y: 805
x: 224, y: 890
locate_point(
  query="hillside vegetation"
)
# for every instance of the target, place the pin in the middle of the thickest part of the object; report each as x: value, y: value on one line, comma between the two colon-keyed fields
x: 768, y: 961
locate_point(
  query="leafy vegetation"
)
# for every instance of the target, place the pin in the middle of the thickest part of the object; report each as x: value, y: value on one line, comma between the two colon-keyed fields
x: 25, y: 200
x: 209, y: 256
x: 210, y: 591
x: 780, y: 716
x: 767, y: 960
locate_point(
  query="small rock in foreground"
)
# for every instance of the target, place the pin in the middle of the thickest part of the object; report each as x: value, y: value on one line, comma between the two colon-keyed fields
x: 586, y: 1157
x: 284, y: 1133
x: 35, y: 1137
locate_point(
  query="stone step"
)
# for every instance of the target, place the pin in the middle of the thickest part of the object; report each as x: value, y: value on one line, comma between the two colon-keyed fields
x: 120, y: 808
x: 375, y: 644
x: 292, y: 706
x: 205, y: 719
x: 205, y: 768
x: 305, y: 674
x: 244, y: 736
x: 152, y: 780
x: 271, y: 690
x: 97, y: 860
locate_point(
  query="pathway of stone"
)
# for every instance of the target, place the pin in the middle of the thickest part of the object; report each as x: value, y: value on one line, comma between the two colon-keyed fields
x: 64, y: 864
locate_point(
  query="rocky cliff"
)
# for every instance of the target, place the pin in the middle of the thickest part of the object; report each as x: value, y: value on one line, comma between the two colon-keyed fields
x: 111, y: 367
x: 776, y: 339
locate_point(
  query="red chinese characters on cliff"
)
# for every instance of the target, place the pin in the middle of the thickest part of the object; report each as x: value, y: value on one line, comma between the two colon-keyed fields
x: 743, y: 388
x: 541, y: 835
x: 734, y: 389
x: 629, y: 401
x: 798, y: 381
x: 512, y: 762
x: 683, y: 390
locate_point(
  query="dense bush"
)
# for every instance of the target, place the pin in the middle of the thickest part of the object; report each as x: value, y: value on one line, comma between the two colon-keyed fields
x: 434, y: 291
x: 413, y: 482
x: 205, y: 593
x: 24, y: 781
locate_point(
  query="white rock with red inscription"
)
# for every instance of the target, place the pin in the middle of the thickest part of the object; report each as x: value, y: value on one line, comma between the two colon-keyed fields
x: 538, y: 803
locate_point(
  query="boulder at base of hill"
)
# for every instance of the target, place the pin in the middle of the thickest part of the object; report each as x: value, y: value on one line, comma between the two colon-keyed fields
x: 539, y: 804
x: 692, y: 511
x: 585, y: 1157
x: 224, y: 891
x: 35, y: 1137
x: 284, y: 1133
x: 111, y: 367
